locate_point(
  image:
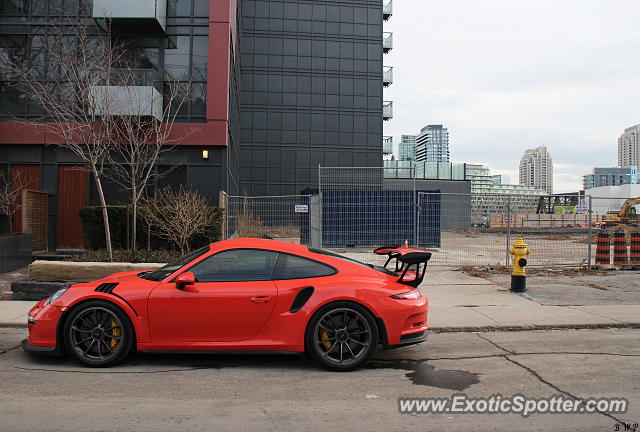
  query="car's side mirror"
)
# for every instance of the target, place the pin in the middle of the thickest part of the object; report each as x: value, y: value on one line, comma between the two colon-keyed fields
x: 184, y: 280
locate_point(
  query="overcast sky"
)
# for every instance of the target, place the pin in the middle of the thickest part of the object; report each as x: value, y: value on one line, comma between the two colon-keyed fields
x: 507, y: 75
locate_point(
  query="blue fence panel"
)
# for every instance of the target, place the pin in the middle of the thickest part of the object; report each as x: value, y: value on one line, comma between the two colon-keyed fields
x: 357, y: 218
x: 430, y: 214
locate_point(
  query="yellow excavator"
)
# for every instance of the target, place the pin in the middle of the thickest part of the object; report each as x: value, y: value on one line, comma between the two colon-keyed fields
x: 626, y: 216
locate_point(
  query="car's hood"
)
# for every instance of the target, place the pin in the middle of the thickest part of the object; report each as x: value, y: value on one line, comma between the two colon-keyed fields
x: 120, y: 277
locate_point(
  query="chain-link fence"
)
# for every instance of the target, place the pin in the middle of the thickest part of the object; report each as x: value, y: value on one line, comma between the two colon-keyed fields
x: 285, y: 218
x: 479, y: 229
x: 355, y: 210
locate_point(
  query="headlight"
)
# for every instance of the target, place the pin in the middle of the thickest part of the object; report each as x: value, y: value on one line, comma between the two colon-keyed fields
x: 56, y: 296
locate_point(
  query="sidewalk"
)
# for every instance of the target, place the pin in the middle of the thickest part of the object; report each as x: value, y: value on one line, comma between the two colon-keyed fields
x: 14, y: 313
x: 459, y: 302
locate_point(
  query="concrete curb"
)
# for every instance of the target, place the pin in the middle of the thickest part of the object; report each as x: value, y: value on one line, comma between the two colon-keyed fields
x: 531, y: 327
x: 477, y: 328
x: 12, y: 325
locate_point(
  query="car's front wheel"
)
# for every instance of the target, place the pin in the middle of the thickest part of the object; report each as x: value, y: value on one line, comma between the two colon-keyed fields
x: 98, y: 334
x: 342, y: 336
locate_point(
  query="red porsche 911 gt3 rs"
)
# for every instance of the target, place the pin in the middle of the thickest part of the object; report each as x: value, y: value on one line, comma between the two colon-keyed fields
x: 241, y: 295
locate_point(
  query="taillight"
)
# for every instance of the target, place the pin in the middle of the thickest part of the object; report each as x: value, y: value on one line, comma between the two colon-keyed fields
x: 409, y: 295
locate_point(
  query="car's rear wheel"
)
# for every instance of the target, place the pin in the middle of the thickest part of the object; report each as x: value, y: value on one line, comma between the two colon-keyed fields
x: 341, y: 336
x: 98, y: 334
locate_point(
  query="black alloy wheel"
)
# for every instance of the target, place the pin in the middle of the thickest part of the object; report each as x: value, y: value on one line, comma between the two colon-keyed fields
x: 98, y: 334
x: 342, y: 336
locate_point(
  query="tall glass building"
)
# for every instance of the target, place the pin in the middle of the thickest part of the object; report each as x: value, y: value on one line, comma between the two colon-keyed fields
x: 629, y: 147
x: 407, y: 148
x: 536, y: 169
x: 432, y: 144
x: 311, y: 91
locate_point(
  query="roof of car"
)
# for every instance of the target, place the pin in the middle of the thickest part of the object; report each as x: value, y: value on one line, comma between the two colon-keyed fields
x: 262, y: 244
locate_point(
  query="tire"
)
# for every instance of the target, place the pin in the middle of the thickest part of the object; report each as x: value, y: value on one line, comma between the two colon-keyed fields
x: 98, y: 334
x: 341, y: 336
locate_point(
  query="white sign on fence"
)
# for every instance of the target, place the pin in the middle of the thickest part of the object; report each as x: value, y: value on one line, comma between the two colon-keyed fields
x: 300, y: 208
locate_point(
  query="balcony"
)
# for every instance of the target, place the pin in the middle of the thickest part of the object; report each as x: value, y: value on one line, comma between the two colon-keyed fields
x: 387, y: 9
x: 387, y: 42
x: 387, y: 145
x: 387, y: 76
x: 387, y: 110
x: 133, y: 14
x: 129, y: 93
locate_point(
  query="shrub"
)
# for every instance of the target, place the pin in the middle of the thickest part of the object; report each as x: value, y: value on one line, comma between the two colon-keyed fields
x: 93, y: 228
x: 119, y: 255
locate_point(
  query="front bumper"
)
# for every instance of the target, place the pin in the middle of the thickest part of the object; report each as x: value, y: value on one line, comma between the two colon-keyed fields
x: 43, y: 328
x: 40, y: 350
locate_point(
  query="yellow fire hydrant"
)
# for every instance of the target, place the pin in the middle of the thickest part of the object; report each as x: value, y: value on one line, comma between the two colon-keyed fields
x: 518, y: 275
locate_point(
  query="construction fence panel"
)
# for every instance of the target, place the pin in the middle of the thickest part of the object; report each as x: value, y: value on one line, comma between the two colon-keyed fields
x: 361, y: 210
x: 463, y: 237
x: 558, y: 231
x: 285, y: 218
x: 479, y: 229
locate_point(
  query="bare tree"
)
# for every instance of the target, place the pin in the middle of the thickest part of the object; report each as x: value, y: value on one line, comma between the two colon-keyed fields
x: 142, y: 140
x: 178, y: 216
x: 80, y: 58
x: 10, y: 189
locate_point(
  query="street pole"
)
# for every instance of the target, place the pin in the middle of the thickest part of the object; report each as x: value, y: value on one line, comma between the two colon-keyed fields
x: 590, y: 240
x: 508, y: 230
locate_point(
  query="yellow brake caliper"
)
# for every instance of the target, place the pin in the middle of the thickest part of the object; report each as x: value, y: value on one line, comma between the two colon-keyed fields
x: 116, y: 331
x: 325, y: 339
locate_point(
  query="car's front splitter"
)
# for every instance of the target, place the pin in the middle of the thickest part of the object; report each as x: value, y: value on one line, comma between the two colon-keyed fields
x: 40, y: 350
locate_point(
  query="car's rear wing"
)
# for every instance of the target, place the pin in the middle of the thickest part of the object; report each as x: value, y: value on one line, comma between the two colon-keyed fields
x: 406, y: 262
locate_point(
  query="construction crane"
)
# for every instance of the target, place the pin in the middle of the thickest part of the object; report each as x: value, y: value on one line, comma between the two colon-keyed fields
x: 626, y: 216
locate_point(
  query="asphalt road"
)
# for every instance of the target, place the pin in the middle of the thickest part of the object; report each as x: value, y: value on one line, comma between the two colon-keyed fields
x: 288, y: 392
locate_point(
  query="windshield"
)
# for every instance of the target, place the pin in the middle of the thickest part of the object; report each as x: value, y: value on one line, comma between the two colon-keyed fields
x: 354, y: 261
x: 163, y: 272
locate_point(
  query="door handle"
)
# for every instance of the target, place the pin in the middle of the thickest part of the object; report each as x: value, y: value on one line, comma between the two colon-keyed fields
x: 261, y: 299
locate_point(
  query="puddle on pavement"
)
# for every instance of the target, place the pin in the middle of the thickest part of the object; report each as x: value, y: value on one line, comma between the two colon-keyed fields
x: 427, y: 375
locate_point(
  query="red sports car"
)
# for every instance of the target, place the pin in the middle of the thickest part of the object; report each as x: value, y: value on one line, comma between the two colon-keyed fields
x: 241, y: 295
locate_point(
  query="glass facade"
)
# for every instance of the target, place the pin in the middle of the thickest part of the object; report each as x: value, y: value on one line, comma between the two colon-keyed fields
x: 614, y: 176
x: 182, y: 52
x: 426, y: 170
x: 407, y: 147
x: 432, y: 144
x: 311, y: 91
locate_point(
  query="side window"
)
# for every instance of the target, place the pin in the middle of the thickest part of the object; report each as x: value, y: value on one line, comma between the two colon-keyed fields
x: 236, y: 265
x: 295, y: 267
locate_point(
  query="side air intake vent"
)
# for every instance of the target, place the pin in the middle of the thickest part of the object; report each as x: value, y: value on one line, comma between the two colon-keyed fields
x: 106, y: 287
x: 301, y: 299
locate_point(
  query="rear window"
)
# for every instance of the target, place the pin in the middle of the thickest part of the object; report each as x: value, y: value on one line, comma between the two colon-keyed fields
x: 296, y: 267
x: 351, y: 260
